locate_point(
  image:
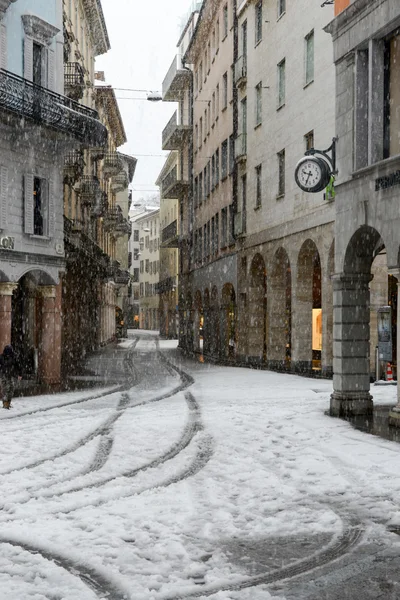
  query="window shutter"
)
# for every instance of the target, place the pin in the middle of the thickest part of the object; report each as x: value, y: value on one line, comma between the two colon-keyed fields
x: 3, y: 46
x: 28, y: 203
x: 3, y: 196
x: 50, y: 70
x: 50, y: 209
x: 28, y: 58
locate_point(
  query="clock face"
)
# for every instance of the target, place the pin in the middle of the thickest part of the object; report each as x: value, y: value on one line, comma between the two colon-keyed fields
x: 312, y: 174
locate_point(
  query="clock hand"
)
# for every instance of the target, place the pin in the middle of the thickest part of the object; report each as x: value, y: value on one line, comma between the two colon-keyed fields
x: 309, y: 174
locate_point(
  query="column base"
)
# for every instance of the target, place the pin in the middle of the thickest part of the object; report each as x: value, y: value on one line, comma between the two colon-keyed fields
x: 394, y: 416
x: 350, y: 404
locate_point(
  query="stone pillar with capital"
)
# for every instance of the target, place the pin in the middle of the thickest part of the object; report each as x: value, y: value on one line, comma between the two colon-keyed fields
x: 50, y: 343
x: 6, y: 291
x: 394, y: 415
x: 351, y: 369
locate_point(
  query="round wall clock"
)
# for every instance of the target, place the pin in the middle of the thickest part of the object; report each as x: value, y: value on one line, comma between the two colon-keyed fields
x: 312, y: 174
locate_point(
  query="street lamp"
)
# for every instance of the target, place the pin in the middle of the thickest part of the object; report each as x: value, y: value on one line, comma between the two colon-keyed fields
x: 154, y: 97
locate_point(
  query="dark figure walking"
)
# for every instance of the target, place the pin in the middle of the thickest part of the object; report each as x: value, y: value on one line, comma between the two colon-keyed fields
x: 8, y: 372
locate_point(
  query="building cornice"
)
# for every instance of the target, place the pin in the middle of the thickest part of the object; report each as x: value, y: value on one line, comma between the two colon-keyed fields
x: 356, y: 10
x: 97, y: 25
x: 105, y: 96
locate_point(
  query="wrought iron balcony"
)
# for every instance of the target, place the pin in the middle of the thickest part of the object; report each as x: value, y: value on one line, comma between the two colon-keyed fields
x: 40, y: 105
x: 73, y: 166
x: 166, y: 285
x: 74, y: 80
x: 121, y: 277
x: 112, y: 163
x: 176, y: 131
x: 169, y: 236
x: 115, y: 223
x: 100, y: 206
x: 173, y: 186
x: 119, y: 182
x: 176, y: 80
x: 89, y: 190
x: 241, y: 147
x: 241, y: 71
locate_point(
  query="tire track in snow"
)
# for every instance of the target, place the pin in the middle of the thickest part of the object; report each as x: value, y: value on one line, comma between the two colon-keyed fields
x: 96, y: 581
x: 340, y: 546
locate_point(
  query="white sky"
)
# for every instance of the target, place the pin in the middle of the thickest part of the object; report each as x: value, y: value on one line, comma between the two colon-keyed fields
x: 143, y: 36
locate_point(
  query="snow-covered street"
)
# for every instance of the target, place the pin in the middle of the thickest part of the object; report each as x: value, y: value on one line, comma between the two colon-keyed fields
x: 195, y: 481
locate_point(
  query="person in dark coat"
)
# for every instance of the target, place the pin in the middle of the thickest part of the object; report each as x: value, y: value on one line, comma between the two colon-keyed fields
x: 8, y: 373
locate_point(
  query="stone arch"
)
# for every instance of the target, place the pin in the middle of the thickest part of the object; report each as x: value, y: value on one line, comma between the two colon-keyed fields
x: 279, y: 349
x: 228, y: 324
x: 351, y: 379
x: 257, y: 311
x: 307, y: 310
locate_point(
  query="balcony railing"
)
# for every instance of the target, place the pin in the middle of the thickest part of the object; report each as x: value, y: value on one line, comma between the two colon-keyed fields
x: 241, y: 70
x: 169, y: 235
x: 100, y: 206
x: 74, y: 80
x: 38, y: 104
x: 166, y: 285
x: 176, y: 80
x: 89, y: 190
x: 112, y: 163
x: 73, y: 166
x: 176, y: 131
x: 173, y: 185
x: 241, y: 147
x: 119, y: 182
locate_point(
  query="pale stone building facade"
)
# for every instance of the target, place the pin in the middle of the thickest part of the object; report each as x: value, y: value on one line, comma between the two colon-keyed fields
x: 149, y: 240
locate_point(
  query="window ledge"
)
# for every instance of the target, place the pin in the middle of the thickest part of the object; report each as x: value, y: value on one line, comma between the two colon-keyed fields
x: 308, y: 84
x: 280, y: 196
x: 258, y: 43
x: 257, y: 207
x: 281, y: 15
x: 224, y: 38
x: 281, y: 106
x: 258, y: 125
x: 223, y: 109
x: 34, y: 236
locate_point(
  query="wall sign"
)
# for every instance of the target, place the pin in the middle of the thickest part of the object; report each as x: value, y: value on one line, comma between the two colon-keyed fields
x: 388, y: 181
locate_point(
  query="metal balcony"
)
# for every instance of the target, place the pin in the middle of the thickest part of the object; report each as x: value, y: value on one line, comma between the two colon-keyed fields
x: 166, y: 285
x: 176, y: 80
x: 89, y: 190
x: 173, y: 186
x: 112, y: 164
x: 74, y: 80
x: 176, y: 131
x: 119, y: 182
x: 100, y: 206
x: 73, y: 166
x: 241, y: 71
x: 241, y: 147
x: 169, y: 236
x: 40, y: 105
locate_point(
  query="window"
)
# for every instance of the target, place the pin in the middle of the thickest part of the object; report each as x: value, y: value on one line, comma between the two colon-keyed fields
x: 146, y: 241
x: 243, y: 117
x: 136, y: 254
x: 208, y: 178
x: 200, y: 188
x: 196, y: 137
x: 212, y: 236
x: 244, y: 201
x: 141, y: 290
x: 309, y: 140
x: 151, y: 268
x: 258, y: 19
x: 225, y: 21
x: 224, y: 91
x: 212, y: 172
x: 37, y: 64
x: 224, y: 160
x: 258, y: 103
x: 200, y: 77
x: 213, y: 108
x: 216, y: 244
x: 244, y: 43
x: 217, y: 167
x: 142, y: 266
x: 205, y: 184
x: 281, y: 83
x: 231, y: 154
x: 213, y: 44
x: 391, y: 141
x: 196, y: 83
x: 136, y: 235
x: 281, y: 7
x: 38, y: 206
x: 258, y: 185
x: 217, y: 37
x: 205, y: 251
x: 309, y: 57
x: 208, y: 238
x: 135, y: 275
x: 224, y: 227
x: 281, y: 173
x: 205, y: 123
x: 147, y: 265
x: 200, y: 132
x: 196, y: 192
x: 129, y: 259
x: 216, y: 101
x: 209, y: 57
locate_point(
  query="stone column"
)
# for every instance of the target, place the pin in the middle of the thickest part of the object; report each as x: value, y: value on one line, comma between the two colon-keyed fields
x: 50, y: 343
x: 302, y: 320
x: 6, y: 291
x: 394, y: 415
x: 351, y: 379
x: 327, y: 325
x: 276, y: 351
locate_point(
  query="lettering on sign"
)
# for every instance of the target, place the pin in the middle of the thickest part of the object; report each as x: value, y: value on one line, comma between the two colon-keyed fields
x: 388, y: 181
x: 7, y: 242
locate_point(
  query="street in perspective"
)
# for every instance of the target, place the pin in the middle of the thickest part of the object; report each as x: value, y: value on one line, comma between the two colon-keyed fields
x: 199, y: 299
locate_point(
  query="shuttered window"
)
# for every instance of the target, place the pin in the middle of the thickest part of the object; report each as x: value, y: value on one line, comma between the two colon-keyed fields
x: 39, y: 63
x: 39, y: 217
x: 3, y: 196
x: 3, y: 46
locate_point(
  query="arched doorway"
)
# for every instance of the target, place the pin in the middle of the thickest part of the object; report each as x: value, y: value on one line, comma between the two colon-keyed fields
x: 351, y: 380
x: 257, y: 311
x: 307, y: 311
x: 26, y: 324
x: 280, y: 312
x: 228, y: 322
